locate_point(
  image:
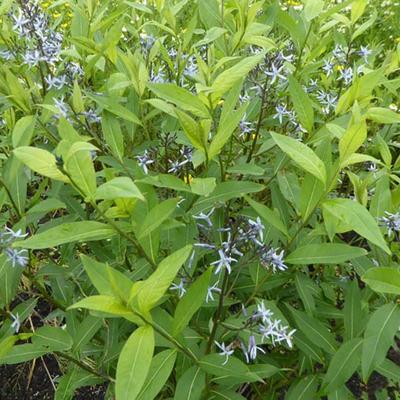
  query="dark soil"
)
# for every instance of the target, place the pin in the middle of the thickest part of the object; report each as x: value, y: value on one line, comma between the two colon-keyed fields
x: 15, y: 383
x: 20, y: 382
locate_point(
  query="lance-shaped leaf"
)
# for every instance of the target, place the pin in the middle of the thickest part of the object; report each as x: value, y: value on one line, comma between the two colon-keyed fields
x: 302, y: 155
x: 382, y: 115
x: 156, y: 216
x: 180, y: 97
x: 153, y: 288
x: 354, y: 215
x: 352, y: 140
x: 302, y: 104
x: 192, y: 129
x: 227, y: 79
x: 379, y: 336
x: 324, y: 253
x: 226, y: 127
x: 191, y: 384
x: 160, y: 369
x: 342, y: 365
x: 134, y: 363
x: 191, y: 302
x: 40, y: 161
x: 68, y: 233
x: 383, y: 280
x: 119, y: 188
x: 226, y: 191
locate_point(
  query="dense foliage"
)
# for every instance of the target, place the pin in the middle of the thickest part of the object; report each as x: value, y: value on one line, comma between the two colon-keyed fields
x: 206, y: 195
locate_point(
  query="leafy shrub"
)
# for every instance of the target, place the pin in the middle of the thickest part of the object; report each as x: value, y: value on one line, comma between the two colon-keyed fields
x: 206, y: 194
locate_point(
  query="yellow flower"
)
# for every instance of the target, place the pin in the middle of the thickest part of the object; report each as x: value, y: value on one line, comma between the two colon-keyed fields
x: 64, y: 25
x: 56, y: 14
x: 188, y: 179
x: 293, y: 3
x: 339, y: 67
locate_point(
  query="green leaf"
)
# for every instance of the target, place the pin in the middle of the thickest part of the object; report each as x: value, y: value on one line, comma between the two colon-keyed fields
x: 382, y: 115
x: 40, y: 161
x: 191, y: 384
x: 315, y: 331
x: 301, y: 282
x: 313, y: 9
x: 302, y: 155
x: 156, y: 216
x: 52, y: 338
x: 357, y: 9
x: 22, y: 353
x: 203, y: 186
x: 379, y: 336
x: 119, y: 188
x: 160, y: 369
x: 100, y: 274
x: 341, y: 394
x: 390, y: 370
x: 166, y: 181
x: 303, y: 389
x: 343, y: 364
x: 192, y: 129
x: 23, y: 131
x: 324, y: 253
x: 190, y: 303
x: 353, y: 315
x: 105, y: 304
x: 134, y: 363
x: 312, y: 190
x: 211, y: 35
x: 79, y: 166
x: 269, y: 216
x: 383, y: 280
x: 9, y: 280
x: 226, y: 127
x: 226, y: 191
x: 154, y: 287
x: 180, y: 97
x: 301, y: 101
x: 114, y: 108
x: 227, y: 79
x: 7, y: 344
x: 86, y: 331
x: 214, y: 364
x: 67, y: 233
x: 354, y: 215
x: 113, y: 135
x: 351, y: 140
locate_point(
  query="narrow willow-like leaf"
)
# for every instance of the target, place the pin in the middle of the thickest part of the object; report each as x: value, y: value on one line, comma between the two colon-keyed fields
x: 381, y: 328
x: 40, y: 161
x: 302, y: 155
x: 358, y: 218
x: 191, y: 384
x: 342, y: 365
x: 134, y: 363
x: 383, y: 280
x: 160, y: 369
x: 324, y: 253
x: 301, y: 101
x: 68, y: 233
x: 154, y: 287
x: 191, y: 302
